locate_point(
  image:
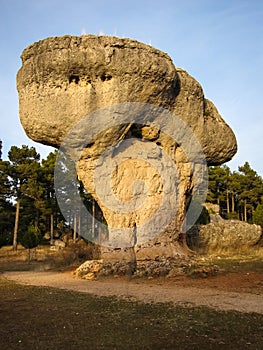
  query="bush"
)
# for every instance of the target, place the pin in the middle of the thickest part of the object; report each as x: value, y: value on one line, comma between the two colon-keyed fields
x: 5, y: 238
x: 204, y: 217
x: 76, y: 253
x: 30, y: 239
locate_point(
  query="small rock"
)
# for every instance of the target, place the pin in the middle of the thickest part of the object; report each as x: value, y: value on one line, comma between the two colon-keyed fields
x: 89, y: 276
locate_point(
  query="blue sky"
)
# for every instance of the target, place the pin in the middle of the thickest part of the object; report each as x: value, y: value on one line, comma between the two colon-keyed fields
x: 219, y: 42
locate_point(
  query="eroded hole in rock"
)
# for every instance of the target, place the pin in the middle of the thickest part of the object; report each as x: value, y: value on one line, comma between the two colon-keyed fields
x: 74, y: 79
x: 105, y: 77
x: 136, y: 131
x: 90, y: 144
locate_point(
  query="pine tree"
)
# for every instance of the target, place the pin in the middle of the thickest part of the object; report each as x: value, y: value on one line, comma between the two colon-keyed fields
x: 49, y: 203
x: 251, y: 190
x: 237, y: 193
x: 22, y: 170
x: 219, y: 187
x: 6, y: 207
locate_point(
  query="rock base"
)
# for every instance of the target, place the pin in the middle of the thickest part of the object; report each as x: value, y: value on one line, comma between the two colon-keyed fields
x: 161, y: 267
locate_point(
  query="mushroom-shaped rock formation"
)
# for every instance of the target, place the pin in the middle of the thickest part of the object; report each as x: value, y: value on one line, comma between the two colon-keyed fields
x: 139, y: 130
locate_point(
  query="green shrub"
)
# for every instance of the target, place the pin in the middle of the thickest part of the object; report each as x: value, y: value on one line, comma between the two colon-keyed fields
x: 204, y: 217
x: 30, y: 239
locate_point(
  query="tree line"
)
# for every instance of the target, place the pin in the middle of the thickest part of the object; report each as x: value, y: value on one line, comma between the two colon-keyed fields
x: 28, y: 201
x: 239, y: 194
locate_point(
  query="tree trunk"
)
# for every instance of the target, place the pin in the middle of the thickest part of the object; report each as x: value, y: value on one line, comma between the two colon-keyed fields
x: 35, y: 251
x: 241, y: 213
x: 75, y: 228
x: 79, y: 222
x: 245, y: 210
x: 29, y: 256
x: 37, y: 218
x: 16, y: 225
x: 227, y: 202
x: 233, y: 202
x: 218, y: 199
x: 51, y: 229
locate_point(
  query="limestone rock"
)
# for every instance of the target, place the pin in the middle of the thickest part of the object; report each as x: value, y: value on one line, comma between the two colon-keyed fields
x: 64, y: 79
x: 59, y: 244
x: 224, y: 236
x: 89, y: 269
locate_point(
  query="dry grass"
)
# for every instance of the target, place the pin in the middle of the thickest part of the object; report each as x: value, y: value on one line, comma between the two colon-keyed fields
x: 43, y: 258
x: 48, y: 318
x: 256, y: 251
x: 236, y: 263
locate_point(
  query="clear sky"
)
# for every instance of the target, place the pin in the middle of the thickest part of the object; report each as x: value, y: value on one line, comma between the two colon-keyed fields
x: 219, y: 42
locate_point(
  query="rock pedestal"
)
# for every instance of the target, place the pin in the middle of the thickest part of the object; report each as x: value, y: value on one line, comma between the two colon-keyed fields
x: 140, y: 174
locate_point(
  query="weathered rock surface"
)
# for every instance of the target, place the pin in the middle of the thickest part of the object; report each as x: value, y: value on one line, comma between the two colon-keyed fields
x: 224, y: 236
x: 89, y: 269
x: 64, y: 79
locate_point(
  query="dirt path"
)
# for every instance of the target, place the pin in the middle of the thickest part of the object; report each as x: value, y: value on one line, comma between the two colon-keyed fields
x: 240, y: 292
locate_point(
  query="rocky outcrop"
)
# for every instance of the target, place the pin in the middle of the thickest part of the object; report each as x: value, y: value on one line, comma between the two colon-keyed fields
x: 129, y: 91
x: 63, y: 79
x: 223, y: 236
x: 89, y: 269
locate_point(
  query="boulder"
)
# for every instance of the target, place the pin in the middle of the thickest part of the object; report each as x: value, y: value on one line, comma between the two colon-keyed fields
x: 141, y: 132
x: 89, y: 269
x: 224, y: 236
x: 63, y: 79
x: 59, y: 244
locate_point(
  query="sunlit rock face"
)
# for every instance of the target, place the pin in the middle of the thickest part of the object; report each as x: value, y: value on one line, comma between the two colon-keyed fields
x: 223, y: 236
x: 135, y: 163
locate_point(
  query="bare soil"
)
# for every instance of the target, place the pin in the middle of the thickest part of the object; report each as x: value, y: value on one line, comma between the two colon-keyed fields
x: 44, y: 309
x: 238, y: 285
x: 242, y: 291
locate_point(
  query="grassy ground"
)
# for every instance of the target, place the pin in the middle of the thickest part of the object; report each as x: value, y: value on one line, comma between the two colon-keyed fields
x: 48, y: 318
x: 239, y: 263
x: 44, y: 258
x: 231, y: 263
